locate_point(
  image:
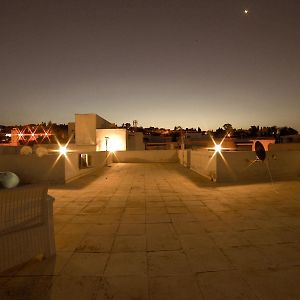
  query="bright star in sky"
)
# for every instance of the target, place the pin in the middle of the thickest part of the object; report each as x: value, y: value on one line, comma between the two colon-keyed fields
x: 246, y: 11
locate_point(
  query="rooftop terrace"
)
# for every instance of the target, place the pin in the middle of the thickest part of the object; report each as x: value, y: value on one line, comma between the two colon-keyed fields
x: 160, y: 231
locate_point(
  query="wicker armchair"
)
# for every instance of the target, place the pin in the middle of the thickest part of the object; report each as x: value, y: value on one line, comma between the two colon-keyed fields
x: 26, y: 225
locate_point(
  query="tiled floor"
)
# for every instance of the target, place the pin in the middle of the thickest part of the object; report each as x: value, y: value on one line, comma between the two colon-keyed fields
x: 159, y: 231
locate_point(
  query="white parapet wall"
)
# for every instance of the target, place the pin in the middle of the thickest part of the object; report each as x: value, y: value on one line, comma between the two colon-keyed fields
x: 201, y: 161
x: 52, y: 168
x: 145, y: 156
x: 243, y: 166
x: 34, y: 169
x: 72, y: 166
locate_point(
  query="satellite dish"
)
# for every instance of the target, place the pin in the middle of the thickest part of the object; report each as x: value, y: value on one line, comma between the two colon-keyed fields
x: 260, y: 151
x: 26, y: 150
x: 41, y: 151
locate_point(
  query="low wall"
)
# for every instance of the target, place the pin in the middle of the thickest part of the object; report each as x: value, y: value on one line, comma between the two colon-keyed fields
x: 72, y: 170
x: 51, y: 168
x: 145, y: 156
x: 34, y: 169
x: 242, y: 166
x: 201, y: 161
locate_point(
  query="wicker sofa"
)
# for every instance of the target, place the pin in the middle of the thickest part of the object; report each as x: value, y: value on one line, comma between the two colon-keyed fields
x: 26, y: 225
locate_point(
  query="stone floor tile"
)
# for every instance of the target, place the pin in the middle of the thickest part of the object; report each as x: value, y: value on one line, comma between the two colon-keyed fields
x: 86, y: 264
x: 155, y: 204
x: 134, y: 211
x: 156, y: 210
x: 161, y: 237
x: 188, y: 217
x: 225, y: 285
x: 247, y: 258
x: 25, y: 288
x: 110, y: 218
x: 261, y: 237
x: 175, y: 287
x: 281, y: 255
x: 177, y: 210
x: 133, y: 219
x: 208, y: 259
x: 87, y: 219
x: 163, y: 263
x: 188, y: 228
x: 227, y: 239
x: 48, y: 266
x: 129, y: 243
x: 95, y: 243
x: 73, y: 287
x: 123, y: 288
x: 67, y: 241
x: 162, y: 242
x: 215, y: 226
x: 192, y: 241
x: 71, y: 228
x: 102, y: 229
x: 62, y: 218
x: 275, y: 284
x: 132, y: 263
x: 158, y: 218
x: 67, y: 210
x: 131, y: 229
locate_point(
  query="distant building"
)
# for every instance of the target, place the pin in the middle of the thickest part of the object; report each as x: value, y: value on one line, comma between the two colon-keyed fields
x: 92, y: 130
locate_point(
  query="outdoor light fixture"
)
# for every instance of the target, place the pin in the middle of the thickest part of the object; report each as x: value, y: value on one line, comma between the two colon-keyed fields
x: 218, y: 148
x: 63, y: 150
x: 114, y: 144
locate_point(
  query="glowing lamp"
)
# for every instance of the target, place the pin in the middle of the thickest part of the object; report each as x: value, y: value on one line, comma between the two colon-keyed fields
x: 63, y: 150
x: 114, y: 145
x: 218, y: 148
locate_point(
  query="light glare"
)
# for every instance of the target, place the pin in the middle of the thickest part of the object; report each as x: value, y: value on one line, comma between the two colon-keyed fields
x: 218, y: 148
x: 63, y: 150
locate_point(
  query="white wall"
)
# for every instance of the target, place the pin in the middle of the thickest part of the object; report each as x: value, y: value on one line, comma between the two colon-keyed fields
x: 201, y: 161
x: 72, y: 170
x: 241, y: 166
x: 146, y: 156
x: 33, y: 169
x: 50, y: 169
x: 85, y: 128
x: 135, y: 141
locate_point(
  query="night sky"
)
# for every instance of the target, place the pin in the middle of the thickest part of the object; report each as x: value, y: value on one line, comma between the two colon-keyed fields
x: 161, y: 62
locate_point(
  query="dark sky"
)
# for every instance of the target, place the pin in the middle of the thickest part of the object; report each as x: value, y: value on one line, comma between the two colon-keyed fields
x: 161, y: 62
